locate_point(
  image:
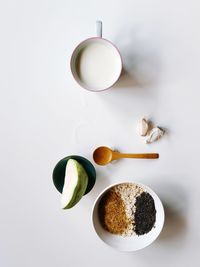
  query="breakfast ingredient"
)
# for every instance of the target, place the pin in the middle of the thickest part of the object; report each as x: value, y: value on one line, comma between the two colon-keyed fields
x: 142, y: 127
x: 155, y: 134
x: 112, y: 213
x: 127, y: 209
x: 145, y: 213
x: 148, y: 131
x: 98, y: 65
x: 128, y: 193
x: 76, y: 180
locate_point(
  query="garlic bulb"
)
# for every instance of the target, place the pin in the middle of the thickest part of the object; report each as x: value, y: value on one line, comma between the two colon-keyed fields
x: 142, y: 127
x: 154, y: 135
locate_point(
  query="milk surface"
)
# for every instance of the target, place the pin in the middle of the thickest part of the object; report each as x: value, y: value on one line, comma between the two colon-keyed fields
x: 98, y: 65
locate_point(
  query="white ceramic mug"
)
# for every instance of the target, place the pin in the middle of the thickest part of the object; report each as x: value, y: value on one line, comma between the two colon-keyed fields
x: 96, y: 63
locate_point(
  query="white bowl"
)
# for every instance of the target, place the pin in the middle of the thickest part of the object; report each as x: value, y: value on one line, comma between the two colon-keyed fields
x: 134, y: 242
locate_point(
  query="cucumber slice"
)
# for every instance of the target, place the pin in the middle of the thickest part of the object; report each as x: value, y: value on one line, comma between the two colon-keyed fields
x: 76, y: 180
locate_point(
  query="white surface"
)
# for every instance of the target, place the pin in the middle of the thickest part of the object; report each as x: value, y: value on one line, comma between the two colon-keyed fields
x: 134, y: 242
x: 45, y: 116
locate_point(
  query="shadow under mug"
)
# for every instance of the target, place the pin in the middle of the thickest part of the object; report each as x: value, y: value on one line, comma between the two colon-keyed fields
x: 114, y: 60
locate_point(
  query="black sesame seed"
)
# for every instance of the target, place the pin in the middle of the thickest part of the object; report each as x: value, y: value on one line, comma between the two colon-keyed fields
x: 145, y: 214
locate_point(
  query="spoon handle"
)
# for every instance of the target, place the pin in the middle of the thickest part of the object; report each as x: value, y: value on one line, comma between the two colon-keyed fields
x: 117, y: 155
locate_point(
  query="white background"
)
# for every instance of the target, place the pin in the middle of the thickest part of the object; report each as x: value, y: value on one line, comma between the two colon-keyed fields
x: 45, y: 116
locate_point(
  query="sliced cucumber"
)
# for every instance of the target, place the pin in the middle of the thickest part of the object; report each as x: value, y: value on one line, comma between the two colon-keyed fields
x: 76, y: 180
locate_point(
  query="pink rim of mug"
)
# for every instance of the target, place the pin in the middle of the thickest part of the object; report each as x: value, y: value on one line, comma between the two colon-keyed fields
x: 72, y: 64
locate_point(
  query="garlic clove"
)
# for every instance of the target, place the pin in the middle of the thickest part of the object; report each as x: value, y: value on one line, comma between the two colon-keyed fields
x: 142, y: 127
x: 155, y: 134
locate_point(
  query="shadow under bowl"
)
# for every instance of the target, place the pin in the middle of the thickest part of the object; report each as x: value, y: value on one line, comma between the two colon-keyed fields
x: 59, y: 172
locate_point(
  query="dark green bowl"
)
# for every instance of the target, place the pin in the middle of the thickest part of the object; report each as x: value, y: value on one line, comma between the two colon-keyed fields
x: 59, y: 172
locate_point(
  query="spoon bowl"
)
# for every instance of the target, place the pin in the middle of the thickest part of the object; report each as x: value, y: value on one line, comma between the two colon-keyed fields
x: 102, y: 155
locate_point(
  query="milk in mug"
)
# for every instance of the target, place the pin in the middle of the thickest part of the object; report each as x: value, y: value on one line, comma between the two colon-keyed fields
x: 98, y: 64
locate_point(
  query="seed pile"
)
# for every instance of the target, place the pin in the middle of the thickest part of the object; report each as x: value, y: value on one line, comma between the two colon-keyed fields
x: 126, y: 209
x: 112, y: 213
x: 145, y: 213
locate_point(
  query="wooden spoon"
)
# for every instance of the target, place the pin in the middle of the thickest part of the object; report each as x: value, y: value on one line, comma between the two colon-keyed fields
x: 104, y: 155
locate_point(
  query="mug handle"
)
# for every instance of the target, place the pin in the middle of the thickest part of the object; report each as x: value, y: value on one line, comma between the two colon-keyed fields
x: 99, y: 28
